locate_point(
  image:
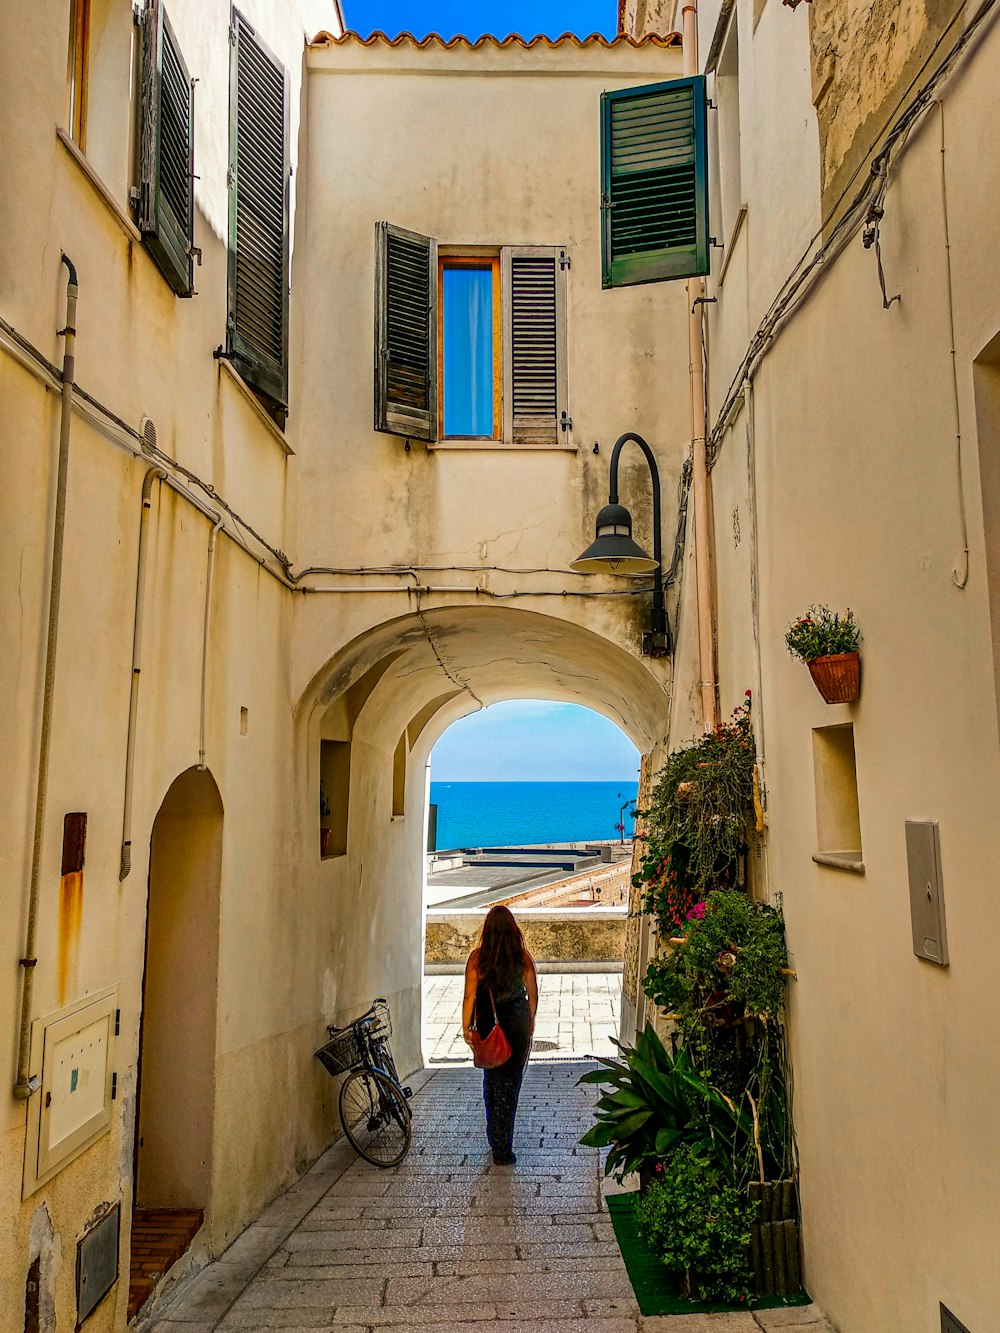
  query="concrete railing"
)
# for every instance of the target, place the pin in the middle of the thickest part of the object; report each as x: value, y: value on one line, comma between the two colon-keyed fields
x: 585, y: 935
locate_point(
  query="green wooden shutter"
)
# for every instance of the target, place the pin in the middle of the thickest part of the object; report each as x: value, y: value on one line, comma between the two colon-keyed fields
x: 534, y: 335
x: 259, y: 173
x: 165, y: 205
x: 654, y: 183
x: 406, y: 297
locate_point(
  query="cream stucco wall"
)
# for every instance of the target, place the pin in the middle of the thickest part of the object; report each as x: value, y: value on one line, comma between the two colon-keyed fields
x: 488, y: 535
x: 838, y: 481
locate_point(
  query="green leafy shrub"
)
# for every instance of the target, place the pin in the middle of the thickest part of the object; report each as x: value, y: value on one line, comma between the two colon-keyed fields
x: 700, y: 804
x: 699, y: 1223
x: 657, y: 1103
x: 821, y: 633
x: 730, y: 965
x: 724, y: 987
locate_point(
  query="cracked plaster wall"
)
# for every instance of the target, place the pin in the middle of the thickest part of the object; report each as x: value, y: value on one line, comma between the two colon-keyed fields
x: 864, y: 57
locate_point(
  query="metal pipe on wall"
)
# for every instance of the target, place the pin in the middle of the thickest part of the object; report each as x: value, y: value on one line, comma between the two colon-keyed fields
x: 209, y: 580
x: 25, y: 1086
x: 154, y: 473
x: 699, y: 470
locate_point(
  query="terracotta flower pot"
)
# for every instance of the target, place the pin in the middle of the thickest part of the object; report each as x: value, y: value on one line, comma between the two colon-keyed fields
x: 838, y: 678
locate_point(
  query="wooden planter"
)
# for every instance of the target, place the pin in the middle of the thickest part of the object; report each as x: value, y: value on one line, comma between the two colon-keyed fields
x: 774, y: 1240
x: 838, y: 678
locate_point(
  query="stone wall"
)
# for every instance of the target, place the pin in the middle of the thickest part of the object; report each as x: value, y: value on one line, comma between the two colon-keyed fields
x: 560, y: 935
x: 865, y: 59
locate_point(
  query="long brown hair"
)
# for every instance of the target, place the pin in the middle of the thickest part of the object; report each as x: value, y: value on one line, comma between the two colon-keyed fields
x: 502, y: 954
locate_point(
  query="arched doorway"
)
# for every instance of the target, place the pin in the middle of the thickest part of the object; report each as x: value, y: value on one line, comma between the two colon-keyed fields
x: 177, y: 1039
x: 370, y: 717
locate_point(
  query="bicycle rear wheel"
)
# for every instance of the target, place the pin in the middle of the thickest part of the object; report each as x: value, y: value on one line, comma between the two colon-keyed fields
x: 375, y: 1117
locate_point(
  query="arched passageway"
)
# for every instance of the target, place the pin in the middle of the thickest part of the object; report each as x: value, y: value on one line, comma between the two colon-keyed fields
x: 177, y: 1042
x: 370, y: 718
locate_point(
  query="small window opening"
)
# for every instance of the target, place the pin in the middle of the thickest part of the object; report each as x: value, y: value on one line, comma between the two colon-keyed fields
x: 74, y: 843
x: 79, y: 61
x: 727, y: 93
x: 335, y: 792
x: 838, y: 817
x: 399, y: 777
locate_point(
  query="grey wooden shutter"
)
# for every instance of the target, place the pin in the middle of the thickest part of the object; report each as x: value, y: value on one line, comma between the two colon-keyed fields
x: 406, y: 314
x: 654, y: 182
x: 165, y: 205
x: 534, y: 354
x: 259, y: 172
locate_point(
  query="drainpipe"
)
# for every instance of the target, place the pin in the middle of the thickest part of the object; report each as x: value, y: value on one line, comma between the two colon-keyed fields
x: 154, y: 473
x: 699, y: 473
x: 25, y: 1086
x: 209, y: 580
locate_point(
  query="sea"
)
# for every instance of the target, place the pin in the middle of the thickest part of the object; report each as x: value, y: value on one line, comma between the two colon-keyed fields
x: 516, y: 814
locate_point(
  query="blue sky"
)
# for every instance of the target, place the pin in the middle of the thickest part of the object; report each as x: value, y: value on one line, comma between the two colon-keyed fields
x: 527, y: 740
x: 499, y: 17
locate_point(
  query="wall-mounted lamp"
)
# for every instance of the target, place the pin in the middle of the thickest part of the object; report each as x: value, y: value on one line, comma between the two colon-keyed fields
x: 614, y: 552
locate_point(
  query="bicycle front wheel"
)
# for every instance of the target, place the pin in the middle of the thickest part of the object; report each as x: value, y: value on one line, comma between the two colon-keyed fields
x: 375, y: 1117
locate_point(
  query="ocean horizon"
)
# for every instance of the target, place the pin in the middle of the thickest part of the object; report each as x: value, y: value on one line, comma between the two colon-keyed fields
x: 516, y: 814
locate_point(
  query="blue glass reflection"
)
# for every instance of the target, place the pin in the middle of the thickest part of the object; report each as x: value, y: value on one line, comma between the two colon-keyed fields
x: 468, y: 351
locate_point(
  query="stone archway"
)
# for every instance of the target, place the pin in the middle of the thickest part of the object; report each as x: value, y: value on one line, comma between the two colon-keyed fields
x: 378, y: 706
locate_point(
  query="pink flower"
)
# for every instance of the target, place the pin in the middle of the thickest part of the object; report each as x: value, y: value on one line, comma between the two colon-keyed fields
x: 696, y: 913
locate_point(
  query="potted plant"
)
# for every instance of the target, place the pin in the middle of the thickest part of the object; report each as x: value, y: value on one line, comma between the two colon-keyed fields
x: 324, y: 813
x: 828, y: 644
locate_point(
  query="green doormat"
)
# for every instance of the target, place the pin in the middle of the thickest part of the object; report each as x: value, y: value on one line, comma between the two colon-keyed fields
x: 655, y: 1289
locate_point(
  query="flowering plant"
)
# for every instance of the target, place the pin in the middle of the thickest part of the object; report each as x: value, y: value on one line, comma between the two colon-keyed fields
x: 822, y: 633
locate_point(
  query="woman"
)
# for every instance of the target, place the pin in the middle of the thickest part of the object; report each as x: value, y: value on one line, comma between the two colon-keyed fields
x: 502, y: 968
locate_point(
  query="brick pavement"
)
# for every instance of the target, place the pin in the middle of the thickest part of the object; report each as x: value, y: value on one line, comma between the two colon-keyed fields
x: 446, y: 1239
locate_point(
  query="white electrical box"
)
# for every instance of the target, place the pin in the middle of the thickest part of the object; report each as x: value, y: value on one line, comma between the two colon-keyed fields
x: 72, y: 1052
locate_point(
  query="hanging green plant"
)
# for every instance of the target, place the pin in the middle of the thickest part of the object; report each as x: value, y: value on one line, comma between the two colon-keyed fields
x: 730, y: 964
x: 698, y: 814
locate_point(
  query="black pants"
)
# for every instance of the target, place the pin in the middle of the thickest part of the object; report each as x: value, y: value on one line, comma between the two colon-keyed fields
x: 502, y: 1085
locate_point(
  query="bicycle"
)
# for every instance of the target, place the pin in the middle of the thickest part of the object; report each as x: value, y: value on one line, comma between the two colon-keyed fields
x: 374, y: 1107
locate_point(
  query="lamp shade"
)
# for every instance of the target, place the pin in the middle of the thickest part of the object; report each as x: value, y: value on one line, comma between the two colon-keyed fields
x: 613, y: 551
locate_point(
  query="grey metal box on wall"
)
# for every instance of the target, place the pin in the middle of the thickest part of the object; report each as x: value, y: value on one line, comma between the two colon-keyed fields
x: 923, y: 861
x: 97, y: 1263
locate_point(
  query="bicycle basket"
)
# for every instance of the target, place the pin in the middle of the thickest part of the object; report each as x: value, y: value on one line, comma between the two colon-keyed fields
x: 381, y: 1022
x: 340, y: 1053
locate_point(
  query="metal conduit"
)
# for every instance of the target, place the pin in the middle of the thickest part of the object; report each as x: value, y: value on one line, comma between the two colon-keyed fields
x: 25, y: 1086
x: 152, y: 475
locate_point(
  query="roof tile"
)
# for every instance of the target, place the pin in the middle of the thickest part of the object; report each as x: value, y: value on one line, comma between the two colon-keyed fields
x: 513, y: 39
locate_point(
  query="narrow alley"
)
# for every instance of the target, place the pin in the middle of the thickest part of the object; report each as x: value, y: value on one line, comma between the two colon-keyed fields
x: 446, y: 1239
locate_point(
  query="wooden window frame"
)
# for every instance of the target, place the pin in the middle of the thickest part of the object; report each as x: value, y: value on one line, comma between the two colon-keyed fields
x: 489, y: 261
x: 78, y: 71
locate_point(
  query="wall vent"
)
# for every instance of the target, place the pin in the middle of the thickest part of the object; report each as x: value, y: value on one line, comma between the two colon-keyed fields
x: 97, y: 1264
x: 147, y: 428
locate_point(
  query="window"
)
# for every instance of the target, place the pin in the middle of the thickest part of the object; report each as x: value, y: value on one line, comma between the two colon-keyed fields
x: 257, y: 325
x: 79, y: 70
x: 654, y: 183
x: 727, y: 94
x: 165, y: 196
x: 470, y: 346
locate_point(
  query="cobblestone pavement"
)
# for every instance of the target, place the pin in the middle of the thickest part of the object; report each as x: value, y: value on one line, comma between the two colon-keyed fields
x: 446, y: 1240
x: 577, y: 1016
